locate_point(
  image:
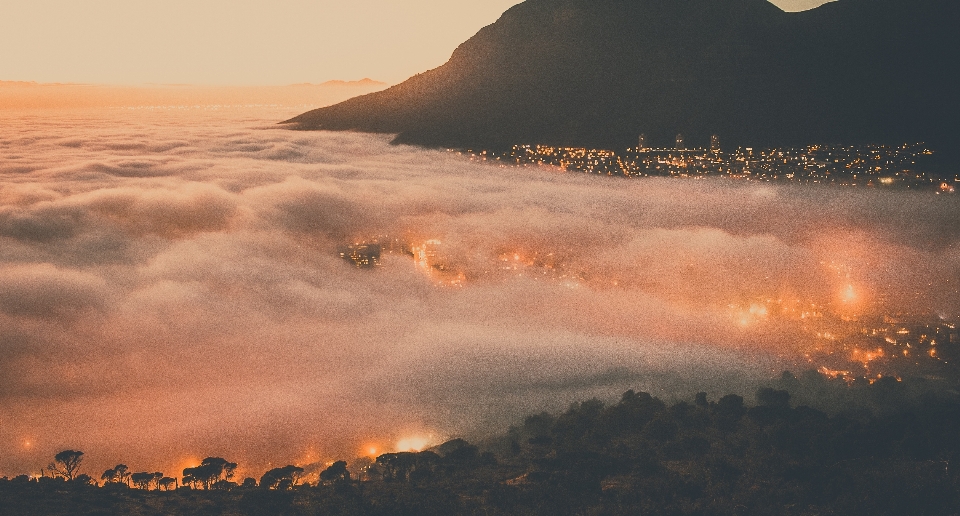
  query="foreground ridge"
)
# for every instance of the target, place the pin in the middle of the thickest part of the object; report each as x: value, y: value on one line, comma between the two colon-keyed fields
x: 638, y: 455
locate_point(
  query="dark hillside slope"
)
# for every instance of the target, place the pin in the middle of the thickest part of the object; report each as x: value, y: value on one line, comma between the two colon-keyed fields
x: 600, y: 72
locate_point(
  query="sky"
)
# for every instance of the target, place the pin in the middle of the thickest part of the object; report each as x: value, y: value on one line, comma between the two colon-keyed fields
x: 171, y: 289
x: 238, y: 42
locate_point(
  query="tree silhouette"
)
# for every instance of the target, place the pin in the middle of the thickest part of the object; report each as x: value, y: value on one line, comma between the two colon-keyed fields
x: 66, y: 463
x: 336, y: 473
x: 210, y: 470
x: 223, y: 485
x: 166, y: 483
x: 408, y: 466
x: 282, y: 479
x: 144, y: 480
x: 119, y: 474
x: 458, y: 454
x: 85, y: 479
x: 768, y: 397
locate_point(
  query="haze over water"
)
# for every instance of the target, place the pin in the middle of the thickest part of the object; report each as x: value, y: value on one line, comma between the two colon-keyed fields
x: 171, y: 288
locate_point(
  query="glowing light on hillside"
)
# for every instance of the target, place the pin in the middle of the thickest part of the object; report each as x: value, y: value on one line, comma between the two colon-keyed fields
x: 849, y: 294
x: 865, y: 357
x: 427, y: 258
x: 833, y: 373
x: 413, y: 444
x: 425, y: 255
x: 310, y: 455
x: 754, y: 313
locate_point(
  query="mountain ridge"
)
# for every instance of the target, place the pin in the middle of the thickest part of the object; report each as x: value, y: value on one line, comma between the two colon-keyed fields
x: 601, y: 72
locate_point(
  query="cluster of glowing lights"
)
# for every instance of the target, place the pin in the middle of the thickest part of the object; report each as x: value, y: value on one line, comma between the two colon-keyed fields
x: 844, y: 166
x: 833, y: 327
x: 865, y: 357
x: 428, y: 259
x: 751, y: 315
x: 834, y: 373
x: 851, y: 378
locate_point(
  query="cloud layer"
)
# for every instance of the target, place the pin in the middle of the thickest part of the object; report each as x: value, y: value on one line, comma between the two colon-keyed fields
x: 171, y: 288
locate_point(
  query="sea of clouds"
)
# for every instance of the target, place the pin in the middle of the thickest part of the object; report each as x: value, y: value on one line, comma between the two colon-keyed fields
x: 171, y: 288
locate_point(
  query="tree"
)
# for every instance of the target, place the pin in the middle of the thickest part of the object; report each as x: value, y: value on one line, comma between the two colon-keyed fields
x: 768, y: 397
x: 396, y: 466
x: 120, y: 474
x: 85, y: 479
x: 66, y: 463
x: 283, y: 478
x: 336, y: 473
x: 701, y: 400
x: 167, y: 483
x: 408, y: 466
x: 210, y: 470
x: 729, y: 410
x: 223, y: 485
x: 144, y: 480
x: 459, y: 454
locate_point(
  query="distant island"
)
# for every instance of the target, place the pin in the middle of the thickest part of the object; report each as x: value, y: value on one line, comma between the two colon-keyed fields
x: 598, y: 73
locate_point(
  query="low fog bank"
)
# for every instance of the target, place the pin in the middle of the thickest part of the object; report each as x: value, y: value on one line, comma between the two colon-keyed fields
x: 171, y: 288
x: 295, y: 97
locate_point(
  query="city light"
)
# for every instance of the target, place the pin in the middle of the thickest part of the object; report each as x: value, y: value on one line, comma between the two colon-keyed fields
x: 849, y: 295
x: 868, y: 165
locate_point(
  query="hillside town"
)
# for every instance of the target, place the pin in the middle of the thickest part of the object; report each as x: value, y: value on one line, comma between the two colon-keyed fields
x: 879, y: 166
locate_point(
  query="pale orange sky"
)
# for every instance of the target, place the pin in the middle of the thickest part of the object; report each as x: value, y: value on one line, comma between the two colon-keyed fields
x: 238, y: 42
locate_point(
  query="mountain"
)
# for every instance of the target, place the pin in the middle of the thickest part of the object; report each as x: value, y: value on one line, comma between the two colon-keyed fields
x: 600, y: 72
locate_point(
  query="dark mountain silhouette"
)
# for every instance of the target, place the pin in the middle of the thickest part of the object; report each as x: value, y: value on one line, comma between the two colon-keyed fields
x: 601, y: 72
